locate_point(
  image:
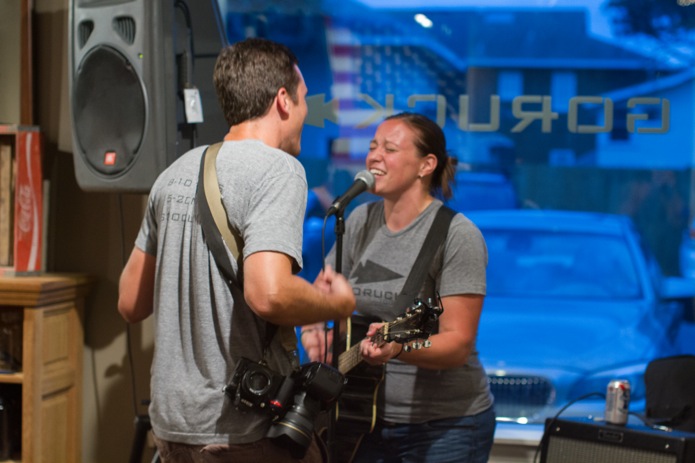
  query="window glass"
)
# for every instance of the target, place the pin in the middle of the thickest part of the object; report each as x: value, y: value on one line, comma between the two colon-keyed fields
x: 578, y: 104
x: 527, y: 264
x: 557, y: 105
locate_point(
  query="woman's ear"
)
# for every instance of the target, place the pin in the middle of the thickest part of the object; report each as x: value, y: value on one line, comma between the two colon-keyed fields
x: 428, y: 165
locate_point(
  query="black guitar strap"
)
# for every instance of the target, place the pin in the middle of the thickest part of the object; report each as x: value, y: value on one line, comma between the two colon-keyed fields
x: 434, y: 239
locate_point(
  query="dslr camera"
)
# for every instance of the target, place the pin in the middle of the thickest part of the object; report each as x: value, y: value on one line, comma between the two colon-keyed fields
x: 293, y: 401
x: 255, y: 387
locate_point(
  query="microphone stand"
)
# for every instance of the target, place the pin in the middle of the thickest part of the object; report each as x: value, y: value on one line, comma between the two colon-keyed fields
x: 339, y: 232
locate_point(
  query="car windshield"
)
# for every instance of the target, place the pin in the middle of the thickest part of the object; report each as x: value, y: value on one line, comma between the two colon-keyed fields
x: 524, y: 263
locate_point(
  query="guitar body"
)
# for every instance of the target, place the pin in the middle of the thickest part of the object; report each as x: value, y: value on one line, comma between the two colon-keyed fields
x: 356, y: 408
x: 357, y: 404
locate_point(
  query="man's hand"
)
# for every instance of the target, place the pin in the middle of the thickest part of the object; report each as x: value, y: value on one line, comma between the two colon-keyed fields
x: 331, y: 282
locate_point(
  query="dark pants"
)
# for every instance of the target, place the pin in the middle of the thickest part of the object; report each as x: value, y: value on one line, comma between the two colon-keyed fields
x: 262, y: 451
x: 465, y: 439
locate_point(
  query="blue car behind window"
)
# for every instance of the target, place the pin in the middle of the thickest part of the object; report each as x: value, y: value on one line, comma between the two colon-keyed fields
x: 574, y: 300
x: 560, y: 264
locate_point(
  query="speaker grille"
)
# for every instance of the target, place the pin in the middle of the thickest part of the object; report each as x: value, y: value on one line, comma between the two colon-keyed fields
x: 84, y: 30
x: 567, y: 450
x: 125, y: 28
x: 109, y: 111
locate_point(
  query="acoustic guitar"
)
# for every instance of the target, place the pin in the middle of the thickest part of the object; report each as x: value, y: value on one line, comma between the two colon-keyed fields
x: 356, y: 408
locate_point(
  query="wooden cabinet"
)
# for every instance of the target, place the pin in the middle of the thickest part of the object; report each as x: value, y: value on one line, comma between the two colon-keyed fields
x: 51, y: 372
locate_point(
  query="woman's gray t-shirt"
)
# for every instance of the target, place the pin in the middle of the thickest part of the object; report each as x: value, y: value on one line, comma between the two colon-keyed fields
x: 412, y: 394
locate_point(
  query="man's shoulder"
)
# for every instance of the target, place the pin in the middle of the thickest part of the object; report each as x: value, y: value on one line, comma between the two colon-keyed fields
x: 252, y: 153
x: 184, y: 168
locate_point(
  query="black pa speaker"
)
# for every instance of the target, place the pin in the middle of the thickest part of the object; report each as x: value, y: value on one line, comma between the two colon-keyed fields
x: 584, y: 441
x: 129, y: 62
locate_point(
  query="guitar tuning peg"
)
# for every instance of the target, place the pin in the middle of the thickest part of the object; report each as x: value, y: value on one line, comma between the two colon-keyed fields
x: 427, y: 343
x: 407, y: 348
x: 417, y: 345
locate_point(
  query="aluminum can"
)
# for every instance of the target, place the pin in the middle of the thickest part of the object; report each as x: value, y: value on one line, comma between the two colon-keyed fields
x: 617, y: 401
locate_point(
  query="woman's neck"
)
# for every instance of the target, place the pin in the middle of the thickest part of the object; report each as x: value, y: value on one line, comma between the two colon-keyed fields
x: 401, y: 213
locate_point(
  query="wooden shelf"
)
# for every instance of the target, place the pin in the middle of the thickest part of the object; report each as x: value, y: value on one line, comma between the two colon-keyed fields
x: 11, y: 378
x: 51, y: 376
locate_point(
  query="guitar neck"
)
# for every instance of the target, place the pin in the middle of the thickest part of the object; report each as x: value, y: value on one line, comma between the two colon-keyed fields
x: 349, y: 359
x: 352, y: 357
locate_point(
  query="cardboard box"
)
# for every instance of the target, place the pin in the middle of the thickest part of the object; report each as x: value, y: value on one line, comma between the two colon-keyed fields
x: 21, y: 200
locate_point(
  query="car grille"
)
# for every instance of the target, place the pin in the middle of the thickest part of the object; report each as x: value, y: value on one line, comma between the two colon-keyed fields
x: 520, y: 396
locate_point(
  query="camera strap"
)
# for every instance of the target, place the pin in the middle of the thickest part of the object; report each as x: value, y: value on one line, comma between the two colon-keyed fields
x: 217, y: 231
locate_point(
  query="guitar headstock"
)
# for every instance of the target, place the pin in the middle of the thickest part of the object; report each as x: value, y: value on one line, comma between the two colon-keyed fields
x: 414, y: 326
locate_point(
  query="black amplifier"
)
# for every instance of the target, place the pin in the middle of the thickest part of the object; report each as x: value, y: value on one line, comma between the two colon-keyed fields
x: 587, y: 441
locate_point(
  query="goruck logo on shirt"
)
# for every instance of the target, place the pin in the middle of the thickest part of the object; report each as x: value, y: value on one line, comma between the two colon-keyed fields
x: 371, y: 272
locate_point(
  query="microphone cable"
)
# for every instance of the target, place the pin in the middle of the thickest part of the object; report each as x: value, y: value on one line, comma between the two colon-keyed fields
x: 557, y: 415
x: 328, y: 324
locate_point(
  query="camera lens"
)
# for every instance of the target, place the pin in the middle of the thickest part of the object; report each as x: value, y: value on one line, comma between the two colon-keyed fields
x: 257, y: 382
x: 295, y: 430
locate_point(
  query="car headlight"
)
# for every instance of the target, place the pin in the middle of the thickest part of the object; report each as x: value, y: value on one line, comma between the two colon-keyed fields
x: 598, y: 382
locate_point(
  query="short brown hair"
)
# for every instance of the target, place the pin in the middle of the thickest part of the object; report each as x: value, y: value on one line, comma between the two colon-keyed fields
x: 248, y: 75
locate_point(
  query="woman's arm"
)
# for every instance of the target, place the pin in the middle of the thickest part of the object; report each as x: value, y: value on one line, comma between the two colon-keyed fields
x: 458, y: 329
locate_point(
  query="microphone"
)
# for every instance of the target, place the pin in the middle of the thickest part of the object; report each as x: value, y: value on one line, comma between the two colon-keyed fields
x: 364, y: 180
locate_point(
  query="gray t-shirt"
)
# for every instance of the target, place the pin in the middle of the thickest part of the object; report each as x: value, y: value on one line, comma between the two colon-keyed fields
x: 201, y: 330
x: 410, y: 394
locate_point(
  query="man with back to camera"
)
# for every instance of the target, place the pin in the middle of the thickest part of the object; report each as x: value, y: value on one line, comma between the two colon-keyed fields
x: 201, y: 329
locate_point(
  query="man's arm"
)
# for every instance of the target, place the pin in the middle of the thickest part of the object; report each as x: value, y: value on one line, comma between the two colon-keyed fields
x: 136, y: 287
x: 278, y: 296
